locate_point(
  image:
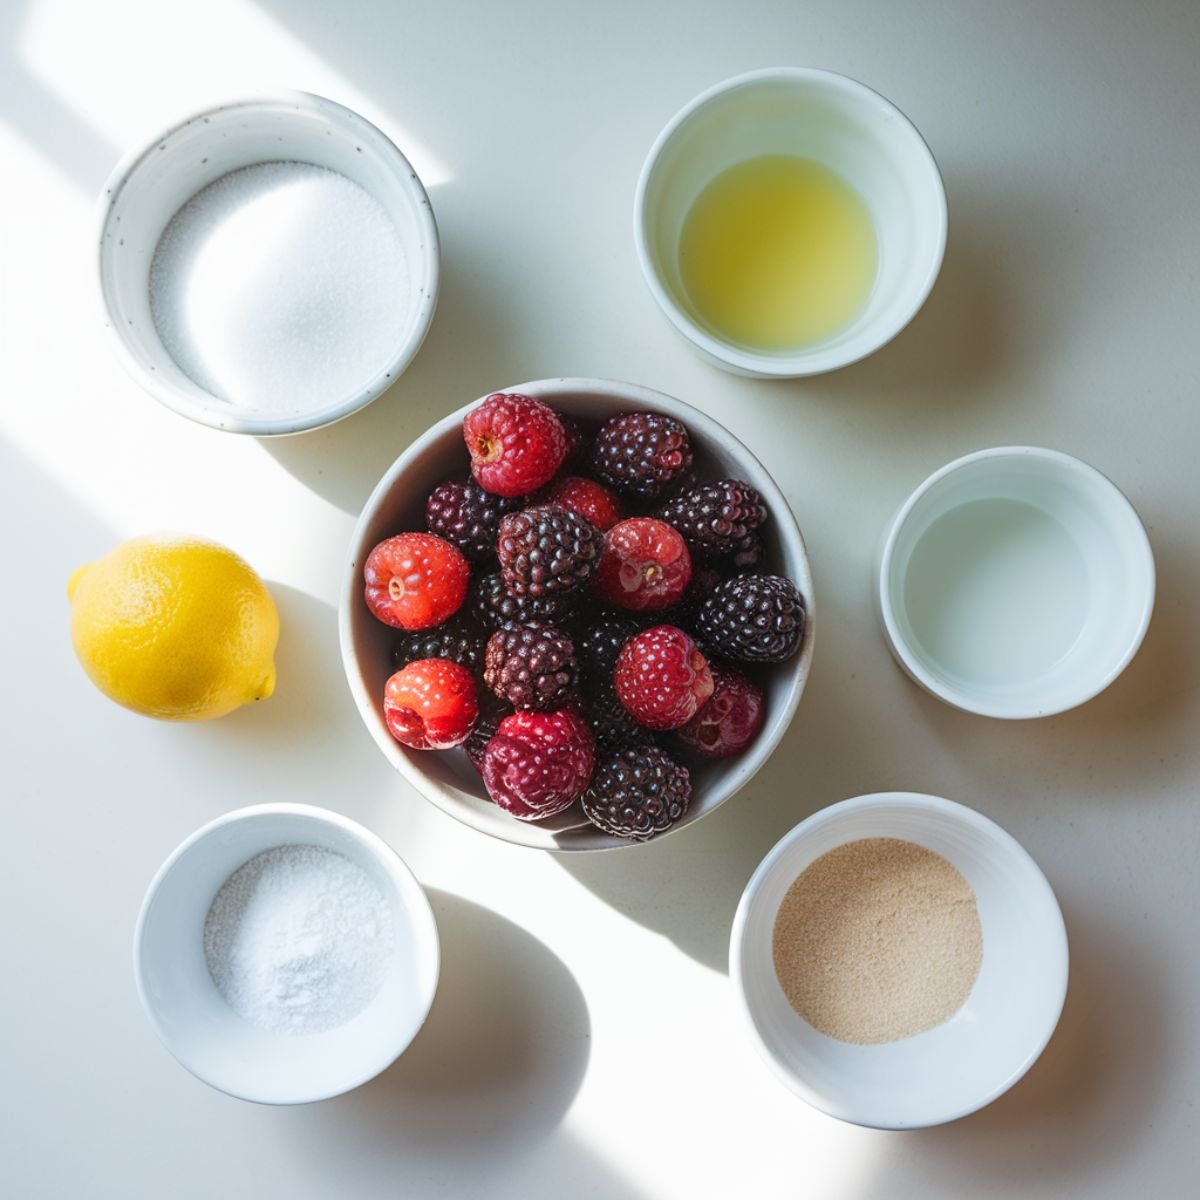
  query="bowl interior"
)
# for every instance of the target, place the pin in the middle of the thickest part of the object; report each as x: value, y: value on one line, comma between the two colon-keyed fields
x: 993, y: 1039
x: 145, y: 193
x: 1019, y: 583
x: 221, y: 1047
x: 838, y: 123
x: 398, y: 503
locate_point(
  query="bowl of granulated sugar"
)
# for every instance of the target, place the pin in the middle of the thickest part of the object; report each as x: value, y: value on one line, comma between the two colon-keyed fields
x: 899, y: 960
x: 267, y: 266
x: 285, y: 954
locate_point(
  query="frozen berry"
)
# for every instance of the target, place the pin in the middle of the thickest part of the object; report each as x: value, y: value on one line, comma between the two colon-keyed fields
x: 662, y: 678
x: 598, y: 645
x: 431, y: 704
x: 729, y: 721
x: 493, y: 607
x: 642, y: 454
x: 415, y: 580
x: 637, y: 792
x: 591, y: 500
x: 455, y: 640
x: 538, y: 763
x: 547, y: 551
x: 645, y: 566
x: 716, y: 518
x: 531, y: 666
x: 517, y: 443
x: 753, y: 619
x: 466, y: 516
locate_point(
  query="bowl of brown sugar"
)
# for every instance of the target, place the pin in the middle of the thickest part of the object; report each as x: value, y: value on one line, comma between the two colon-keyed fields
x: 899, y: 960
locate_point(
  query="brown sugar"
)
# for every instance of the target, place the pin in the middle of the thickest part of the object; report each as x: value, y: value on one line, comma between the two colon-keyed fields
x: 878, y: 940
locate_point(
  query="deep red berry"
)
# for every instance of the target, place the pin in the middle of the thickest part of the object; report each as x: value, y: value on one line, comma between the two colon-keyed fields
x: 645, y: 566
x: 591, y: 500
x: 431, y: 704
x: 539, y: 763
x: 642, y: 454
x: 717, y: 519
x: 729, y: 721
x: 661, y: 678
x: 415, y: 580
x: 531, y: 666
x: 517, y: 443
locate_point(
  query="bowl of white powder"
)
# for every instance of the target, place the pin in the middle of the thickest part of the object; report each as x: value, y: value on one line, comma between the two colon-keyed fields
x: 285, y: 954
x: 267, y: 266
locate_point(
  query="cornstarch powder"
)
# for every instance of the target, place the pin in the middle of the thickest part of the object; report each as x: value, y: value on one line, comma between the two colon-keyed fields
x: 299, y: 939
x: 281, y: 288
x: 878, y: 940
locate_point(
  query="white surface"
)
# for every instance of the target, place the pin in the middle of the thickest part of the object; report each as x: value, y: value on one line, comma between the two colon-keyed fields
x: 955, y: 1067
x: 819, y: 115
x: 584, y: 1038
x: 398, y: 502
x: 203, y: 1031
x: 1016, y: 582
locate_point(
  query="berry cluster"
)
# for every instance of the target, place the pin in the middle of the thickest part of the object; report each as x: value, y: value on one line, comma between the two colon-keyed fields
x: 582, y: 616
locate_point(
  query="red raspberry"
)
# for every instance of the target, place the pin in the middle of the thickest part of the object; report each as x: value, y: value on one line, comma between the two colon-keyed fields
x: 539, y: 763
x: 431, y: 704
x: 591, y: 500
x: 645, y: 566
x: 415, y: 580
x: 730, y: 720
x: 661, y: 678
x: 516, y: 443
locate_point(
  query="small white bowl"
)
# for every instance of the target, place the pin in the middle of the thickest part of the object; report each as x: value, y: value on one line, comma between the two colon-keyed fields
x: 398, y: 503
x: 222, y: 1048
x: 980, y: 1052
x: 149, y: 186
x: 1015, y: 582
x: 812, y: 114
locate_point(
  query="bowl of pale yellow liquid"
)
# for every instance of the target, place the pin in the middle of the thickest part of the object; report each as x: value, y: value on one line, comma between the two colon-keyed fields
x: 790, y: 221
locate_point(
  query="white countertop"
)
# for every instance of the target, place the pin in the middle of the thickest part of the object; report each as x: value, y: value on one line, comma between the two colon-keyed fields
x: 583, y: 1041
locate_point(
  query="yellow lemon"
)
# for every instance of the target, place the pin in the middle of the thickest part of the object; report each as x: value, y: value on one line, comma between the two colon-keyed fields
x: 174, y: 627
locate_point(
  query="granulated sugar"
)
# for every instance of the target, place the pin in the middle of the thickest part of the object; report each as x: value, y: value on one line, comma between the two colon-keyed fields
x: 298, y: 939
x: 281, y: 288
x: 878, y: 940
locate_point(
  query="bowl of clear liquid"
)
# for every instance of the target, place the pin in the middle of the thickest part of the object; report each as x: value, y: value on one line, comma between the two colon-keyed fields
x: 1015, y: 582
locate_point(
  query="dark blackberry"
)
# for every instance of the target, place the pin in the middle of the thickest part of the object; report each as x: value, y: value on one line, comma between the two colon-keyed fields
x: 717, y: 518
x: 684, y: 614
x: 485, y: 729
x: 612, y: 723
x: 599, y: 643
x: 531, y: 666
x: 547, y: 551
x: 493, y: 607
x: 753, y: 619
x: 636, y: 792
x: 641, y: 454
x: 466, y: 516
x: 749, y: 555
x: 454, y: 640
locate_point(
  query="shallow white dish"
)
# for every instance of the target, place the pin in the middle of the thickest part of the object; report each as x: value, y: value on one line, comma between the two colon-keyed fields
x: 398, y: 503
x: 812, y: 114
x: 151, y: 184
x: 1015, y: 582
x: 957, y: 1067
x: 193, y: 1019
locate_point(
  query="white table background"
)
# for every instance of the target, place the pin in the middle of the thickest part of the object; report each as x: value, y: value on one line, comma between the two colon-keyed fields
x: 583, y: 1041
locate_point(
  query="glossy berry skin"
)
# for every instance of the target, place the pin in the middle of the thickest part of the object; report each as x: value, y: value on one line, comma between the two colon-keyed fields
x: 431, y: 704
x: 599, y: 643
x: 547, y: 551
x: 477, y: 740
x: 493, y: 607
x: 531, y: 666
x: 645, y: 566
x: 661, y: 678
x: 716, y: 519
x: 591, y: 500
x: 516, y: 443
x: 466, y: 516
x: 415, y: 580
x: 729, y: 721
x: 455, y: 640
x: 637, y: 792
x: 539, y: 763
x: 642, y: 454
x: 753, y: 619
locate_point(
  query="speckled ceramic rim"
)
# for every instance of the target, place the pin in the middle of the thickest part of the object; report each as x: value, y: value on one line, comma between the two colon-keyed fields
x: 224, y: 417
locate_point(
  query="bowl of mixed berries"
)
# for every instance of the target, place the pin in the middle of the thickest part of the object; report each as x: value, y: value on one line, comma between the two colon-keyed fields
x: 577, y: 614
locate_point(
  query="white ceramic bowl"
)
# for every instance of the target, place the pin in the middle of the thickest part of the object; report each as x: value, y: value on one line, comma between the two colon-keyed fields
x: 1015, y: 582
x: 198, y: 1026
x: 398, y: 504
x: 150, y: 185
x: 812, y: 114
x: 979, y: 1053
